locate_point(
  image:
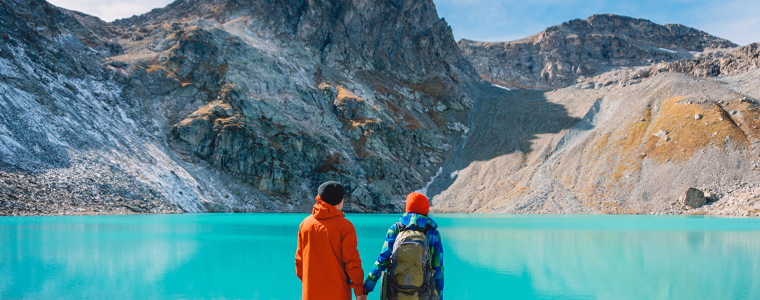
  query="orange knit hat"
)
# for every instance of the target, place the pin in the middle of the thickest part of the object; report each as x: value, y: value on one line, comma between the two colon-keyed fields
x: 417, y: 203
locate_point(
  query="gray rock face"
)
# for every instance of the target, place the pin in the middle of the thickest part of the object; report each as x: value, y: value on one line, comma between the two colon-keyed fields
x: 560, y: 55
x: 60, y: 119
x: 403, y: 38
x: 740, y: 60
x: 244, y: 106
x: 692, y: 198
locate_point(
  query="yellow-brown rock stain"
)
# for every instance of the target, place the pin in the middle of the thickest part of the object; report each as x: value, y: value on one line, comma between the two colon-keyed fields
x: 688, y: 134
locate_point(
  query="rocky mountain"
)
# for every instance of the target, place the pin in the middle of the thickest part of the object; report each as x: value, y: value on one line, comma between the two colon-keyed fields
x: 210, y: 105
x: 672, y: 138
x: 247, y: 106
x: 560, y: 55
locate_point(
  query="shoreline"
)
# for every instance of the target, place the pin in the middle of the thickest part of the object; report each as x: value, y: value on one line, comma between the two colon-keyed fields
x: 125, y: 212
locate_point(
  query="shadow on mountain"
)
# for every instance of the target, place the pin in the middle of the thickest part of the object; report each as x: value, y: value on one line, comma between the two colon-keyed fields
x: 503, y: 122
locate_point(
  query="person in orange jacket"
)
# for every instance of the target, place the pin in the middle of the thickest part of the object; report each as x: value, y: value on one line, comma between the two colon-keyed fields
x: 327, y: 261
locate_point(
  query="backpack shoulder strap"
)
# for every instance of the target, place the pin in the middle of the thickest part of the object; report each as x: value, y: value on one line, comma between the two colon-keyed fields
x: 401, y: 227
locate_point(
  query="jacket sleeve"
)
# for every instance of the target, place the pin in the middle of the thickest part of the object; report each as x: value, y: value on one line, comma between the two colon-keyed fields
x: 351, y: 259
x: 382, y: 260
x: 299, y: 255
x: 437, y: 262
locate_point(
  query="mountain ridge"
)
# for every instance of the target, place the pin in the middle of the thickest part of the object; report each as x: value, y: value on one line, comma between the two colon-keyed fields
x: 562, y: 54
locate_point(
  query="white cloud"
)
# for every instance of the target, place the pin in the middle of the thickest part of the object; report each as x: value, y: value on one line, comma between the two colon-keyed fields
x: 111, y: 10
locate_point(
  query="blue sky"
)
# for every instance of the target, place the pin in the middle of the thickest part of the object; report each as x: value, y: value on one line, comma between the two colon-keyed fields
x: 505, y: 20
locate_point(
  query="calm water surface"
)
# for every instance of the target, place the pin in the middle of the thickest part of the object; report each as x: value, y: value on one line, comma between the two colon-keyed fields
x: 250, y: 256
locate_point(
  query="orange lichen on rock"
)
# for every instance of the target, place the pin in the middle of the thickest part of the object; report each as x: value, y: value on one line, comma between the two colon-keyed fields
x: 211, y: 107
x: 601, y: 144
x: 746, y: 114
x: 362, y: 121
x: 686, y: 128
x: 344, y: 93
x: 626, y: 167
x: 154, y: 67
x: 628, y: 153
x: 636, y: 133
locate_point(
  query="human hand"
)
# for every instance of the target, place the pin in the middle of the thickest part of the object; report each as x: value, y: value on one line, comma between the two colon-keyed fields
x: 361, y: 297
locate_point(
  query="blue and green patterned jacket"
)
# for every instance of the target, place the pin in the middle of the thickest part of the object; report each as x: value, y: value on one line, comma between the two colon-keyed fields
x: 415, y: 222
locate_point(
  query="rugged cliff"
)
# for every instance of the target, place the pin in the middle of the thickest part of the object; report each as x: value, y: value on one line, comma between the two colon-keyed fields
x: 229, y: 105
x: 558, y: 56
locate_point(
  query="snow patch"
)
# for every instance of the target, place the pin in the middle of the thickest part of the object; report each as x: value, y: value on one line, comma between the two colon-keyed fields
x: 667, y: 50
x: 425, y: 189
x: 501, y: 87
x: 458, y: 127
x: 454, y: 174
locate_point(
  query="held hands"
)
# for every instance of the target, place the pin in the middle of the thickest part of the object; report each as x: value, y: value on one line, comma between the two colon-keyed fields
x: 362, y: 296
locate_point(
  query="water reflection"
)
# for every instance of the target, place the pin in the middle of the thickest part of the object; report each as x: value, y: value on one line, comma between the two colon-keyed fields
x: 149, y: 257
x: 42, y: 260
x: 486, y: 257
x: 639, y: 262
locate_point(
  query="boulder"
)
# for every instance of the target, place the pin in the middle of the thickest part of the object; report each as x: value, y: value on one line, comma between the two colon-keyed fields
x: 692, y: 198
x: 711, y: 197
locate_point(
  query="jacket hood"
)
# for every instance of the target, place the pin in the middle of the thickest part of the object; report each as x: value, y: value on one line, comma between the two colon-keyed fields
x: 417, y: 221
x: 323, y: 210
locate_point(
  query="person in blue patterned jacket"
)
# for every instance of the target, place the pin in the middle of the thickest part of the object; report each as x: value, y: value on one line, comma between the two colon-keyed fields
x: 415, y: 218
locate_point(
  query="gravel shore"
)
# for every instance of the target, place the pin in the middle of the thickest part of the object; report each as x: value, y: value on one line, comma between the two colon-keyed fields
x: 29, y: 194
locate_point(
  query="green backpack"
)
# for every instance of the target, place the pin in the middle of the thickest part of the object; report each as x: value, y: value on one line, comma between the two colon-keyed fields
x: 410, y: 274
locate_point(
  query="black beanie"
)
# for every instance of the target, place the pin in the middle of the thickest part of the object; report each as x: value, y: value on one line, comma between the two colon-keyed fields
x: 331, y: 192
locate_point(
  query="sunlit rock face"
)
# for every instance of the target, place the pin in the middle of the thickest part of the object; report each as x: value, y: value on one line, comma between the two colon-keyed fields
x: 561, y: 55
x: 631, y: 140
x: 240, y: 106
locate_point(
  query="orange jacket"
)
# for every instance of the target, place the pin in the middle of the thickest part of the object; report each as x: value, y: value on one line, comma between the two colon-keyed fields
x: 327, y: 257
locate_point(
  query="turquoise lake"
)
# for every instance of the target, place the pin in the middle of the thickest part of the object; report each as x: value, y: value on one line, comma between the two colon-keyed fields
x: 251, y: 256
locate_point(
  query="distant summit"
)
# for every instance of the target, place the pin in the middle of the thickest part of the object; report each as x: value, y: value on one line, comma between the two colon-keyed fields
x: 559, y: 55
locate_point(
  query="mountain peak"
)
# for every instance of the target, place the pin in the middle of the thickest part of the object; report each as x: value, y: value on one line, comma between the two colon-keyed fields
x: 559, y: 55
x: 643, y: 30
x: 402, y: 37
